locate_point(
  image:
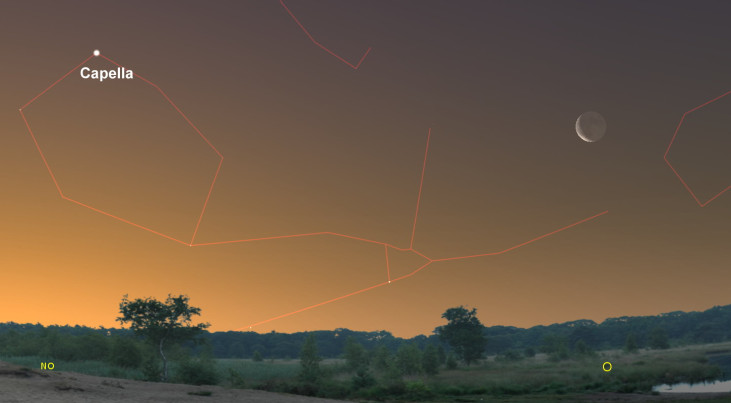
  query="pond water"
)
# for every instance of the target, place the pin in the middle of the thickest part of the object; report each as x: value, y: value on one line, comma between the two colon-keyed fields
x: 702, y: 387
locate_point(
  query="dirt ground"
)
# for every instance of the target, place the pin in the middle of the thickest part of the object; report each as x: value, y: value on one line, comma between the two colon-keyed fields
x: 18, y: 384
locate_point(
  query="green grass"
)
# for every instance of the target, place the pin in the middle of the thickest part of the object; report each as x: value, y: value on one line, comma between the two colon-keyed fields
x: 533, y: 378
x: 527, y: 380
x: 253, y: 371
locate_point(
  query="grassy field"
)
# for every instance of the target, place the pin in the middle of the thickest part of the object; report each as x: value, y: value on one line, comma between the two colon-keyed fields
x: 630, y: 372
x: 533, y: 379
x: 254, y: 372
x: 526, y: 380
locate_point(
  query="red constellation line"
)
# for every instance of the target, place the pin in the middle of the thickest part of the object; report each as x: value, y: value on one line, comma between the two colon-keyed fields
x: 210, y: 190
x: 220, y: 162
x: 430, y: 261
x: 665, y: 157
x: 421, y: 185
x: 388, y: 266
x: 53, y: 177
x: 354, y: 67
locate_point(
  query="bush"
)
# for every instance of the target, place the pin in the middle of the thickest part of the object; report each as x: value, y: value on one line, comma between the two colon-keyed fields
x: 509, y: 355
x: 408, y: 359
x: 197, y: 372
x: 125, y: 353
x: 417, y: 391
x: 451, y: 362
x: 355, y: 354
x: 362, y: 379
x: 392, y: 378
x: 310, y: 371
x: 381, y: 357
x: 558, y: 356
x: 92, y: 346
x: 304, y: 389
x: 235, y: 379
x: 151, y: 369
x: 582, y: 349
x: 332, y: 389
x: 430, y: 362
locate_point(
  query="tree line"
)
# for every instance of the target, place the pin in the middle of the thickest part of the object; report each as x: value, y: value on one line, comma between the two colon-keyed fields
x: 669, y: 329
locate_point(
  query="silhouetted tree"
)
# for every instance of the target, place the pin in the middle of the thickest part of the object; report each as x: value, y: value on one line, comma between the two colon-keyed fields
x: 310, y: 361
x: 355, y: 354
x: 381, y: 357
x: 161, y: 322
x: 430, y: 362
x: 408, y: 359
x: 463, y: 332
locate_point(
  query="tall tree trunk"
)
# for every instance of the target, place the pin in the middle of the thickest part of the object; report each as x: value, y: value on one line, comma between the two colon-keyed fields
x: 164, y: 362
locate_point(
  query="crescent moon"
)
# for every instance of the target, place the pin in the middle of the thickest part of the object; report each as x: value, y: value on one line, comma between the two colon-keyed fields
x: 591, y: 126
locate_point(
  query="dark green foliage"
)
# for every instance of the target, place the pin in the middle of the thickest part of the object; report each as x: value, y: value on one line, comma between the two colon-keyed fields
x: 310, y: 361
x: 498, y: 380
x: 392, y: 377
x: 363, y: 378
x: 582, y: 349
x: 125, y: 353
x: 333, y: 389
x: 556, y: 347
x: 408, y: 359
x: 681, y: 328
x: 430, y: 362
x: 93, y: 345
x: 198, y: 371
x: 529, y: 352
x: 381, y: 357
x: 53, y: 345
x: 463, y: 333
x: 630, y: 345
x: 257, y: 356
x: 552, y: 343
x: 355, y: 355
x: 235, y: 379
x: 442, y: 354
x: 151, y: 369
x: 417, y: 391
x: 451, y: 362
x: 161, y: 322
x: 384, y: 378
x: 509, y: 355
x: 659, y: 338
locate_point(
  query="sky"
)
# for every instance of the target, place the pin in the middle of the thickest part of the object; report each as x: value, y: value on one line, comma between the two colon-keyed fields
x: 322, y: 112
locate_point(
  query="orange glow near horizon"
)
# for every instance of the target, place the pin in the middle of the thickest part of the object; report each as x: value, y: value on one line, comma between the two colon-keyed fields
x: 445, y: 144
